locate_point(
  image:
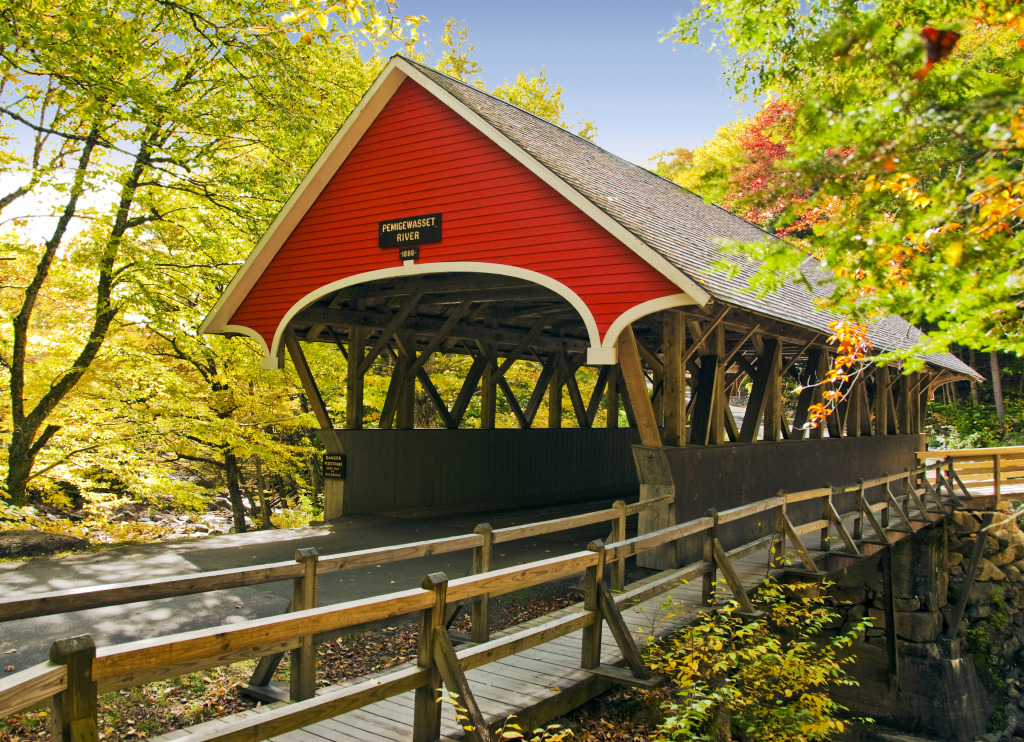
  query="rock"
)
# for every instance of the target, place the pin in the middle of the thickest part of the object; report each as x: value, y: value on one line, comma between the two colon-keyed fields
x: 988, y: 572
x: 991, y: 546
x: 1010, y: 647
x: 22, y: 543
x: 857, y: 611
x: 851, y: 595
x: 1012, y: 573
x: 877, y: 616
x: 1004, y: 557
x: 979, y: 611
x: 954, y: 559
x: 928, y: 650
x: 981, y: 592
x: 907, y: 605
x: 922, y: 626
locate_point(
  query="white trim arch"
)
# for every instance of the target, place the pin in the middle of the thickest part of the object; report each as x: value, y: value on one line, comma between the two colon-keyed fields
x: 606, y: 353
x: 272, y: 357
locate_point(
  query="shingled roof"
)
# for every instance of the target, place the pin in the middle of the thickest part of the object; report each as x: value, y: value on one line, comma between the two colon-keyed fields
x: 678, y: 225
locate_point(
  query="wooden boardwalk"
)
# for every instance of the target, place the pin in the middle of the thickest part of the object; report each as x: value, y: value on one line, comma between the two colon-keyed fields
x: 534, y: 685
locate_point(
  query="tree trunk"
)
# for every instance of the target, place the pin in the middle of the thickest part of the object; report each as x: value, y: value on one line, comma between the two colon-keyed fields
x: 265, y: 523
x: 234, y: 491
x: 974, y: 382
x: 19, y: 466
x: 997, y: 390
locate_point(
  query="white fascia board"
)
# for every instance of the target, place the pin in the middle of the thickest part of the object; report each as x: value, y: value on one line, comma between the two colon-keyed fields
x: 323, y: 170
x: 699, y: 295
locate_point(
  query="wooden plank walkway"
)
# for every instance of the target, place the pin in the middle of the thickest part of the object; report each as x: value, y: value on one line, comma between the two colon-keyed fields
x: 542, y: 683
x: 533, y: 685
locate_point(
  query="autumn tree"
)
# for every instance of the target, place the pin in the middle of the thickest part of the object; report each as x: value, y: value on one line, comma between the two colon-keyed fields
x: 124, y: 116
x: 907, y: 137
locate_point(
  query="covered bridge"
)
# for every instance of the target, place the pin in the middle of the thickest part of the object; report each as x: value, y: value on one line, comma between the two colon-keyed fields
x: 441, y: 220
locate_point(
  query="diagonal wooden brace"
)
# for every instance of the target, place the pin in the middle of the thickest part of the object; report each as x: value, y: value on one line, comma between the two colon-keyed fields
x: 447, y: 663
x: 873, y: 519
x: 798, y: 544
x: 943, y: 482
x: 895, y: 507
x: 931, y: 492
x: 731, y: 578
x: 923, y: 512
x: 851, y: 545
x: 620, y: 631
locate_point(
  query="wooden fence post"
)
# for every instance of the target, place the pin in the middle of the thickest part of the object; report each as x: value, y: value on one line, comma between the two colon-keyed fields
x: 858, y: 521
x: 826, y: 515
x: 619, y: 534
x: 707, y: 594
x: 780, y: 529
x: 426, y: 723
x: 73, y: 711
x: 481, y: 629
x: 590, y: 655
x: 304, y: 597
x: 997, y: 475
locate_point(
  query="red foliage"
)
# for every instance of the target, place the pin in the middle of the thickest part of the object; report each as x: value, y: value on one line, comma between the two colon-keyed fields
x: 755, y: 186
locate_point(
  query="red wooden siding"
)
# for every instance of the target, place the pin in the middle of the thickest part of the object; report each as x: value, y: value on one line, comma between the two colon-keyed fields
x: 419, y: 157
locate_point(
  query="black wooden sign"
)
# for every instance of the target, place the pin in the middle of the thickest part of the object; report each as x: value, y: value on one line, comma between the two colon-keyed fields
x: 334, y: 466
x: 409, y: 230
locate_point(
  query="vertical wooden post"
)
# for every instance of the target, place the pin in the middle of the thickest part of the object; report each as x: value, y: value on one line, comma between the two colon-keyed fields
x: 555, y: 392
x: 619, y: 534
x: 656, y: 482
x: 73, y: 710
x: 903, y: 405
x: 853, y: 409
x: 590, y: 656
x: 707, y: 594
x: 997, y: 476
x: 881, y: 401
x: 826, y: 515
x: 303, y: 659
x: 858, y: 522
x: 673, y: 347
x: 406, y: 400
x: 426, y: 724
x: 890, y: 617
x: 611, y: 392
x: 481, y: 630
x: 717, y: 436
x: 780, y: 530
x: 773, y: 393
x: 354, y: 380
x: 488, y: 392
x: 820, y: 360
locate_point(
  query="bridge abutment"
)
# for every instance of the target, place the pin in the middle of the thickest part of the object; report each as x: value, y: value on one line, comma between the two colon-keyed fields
x: 957, y: 690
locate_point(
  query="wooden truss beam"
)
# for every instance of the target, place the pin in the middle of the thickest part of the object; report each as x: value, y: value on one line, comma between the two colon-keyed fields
x: 424, y: 326
x: 636, y: 388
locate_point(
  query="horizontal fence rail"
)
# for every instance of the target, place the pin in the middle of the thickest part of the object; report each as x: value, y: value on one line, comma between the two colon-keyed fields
x: 102, y: 596
x: 1001, y: 469
x: 81, y: 672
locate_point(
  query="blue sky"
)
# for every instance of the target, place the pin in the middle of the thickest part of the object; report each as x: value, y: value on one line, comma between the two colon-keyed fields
x: 645, y: 96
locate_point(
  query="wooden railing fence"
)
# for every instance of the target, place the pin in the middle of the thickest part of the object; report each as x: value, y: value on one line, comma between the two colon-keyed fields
x: 1000, y: 469
x: 78, y: 672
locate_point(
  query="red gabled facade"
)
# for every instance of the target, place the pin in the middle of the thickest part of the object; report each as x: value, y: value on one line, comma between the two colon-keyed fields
x: 421, y: 157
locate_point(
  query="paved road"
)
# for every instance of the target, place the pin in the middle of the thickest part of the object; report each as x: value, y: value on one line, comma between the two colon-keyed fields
x: 31, y: 638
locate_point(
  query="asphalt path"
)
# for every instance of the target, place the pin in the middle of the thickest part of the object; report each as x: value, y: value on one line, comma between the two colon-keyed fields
x: 26, y: 642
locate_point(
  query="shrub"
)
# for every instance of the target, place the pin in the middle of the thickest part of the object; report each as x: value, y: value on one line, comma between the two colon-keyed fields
x: 766, y: 679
